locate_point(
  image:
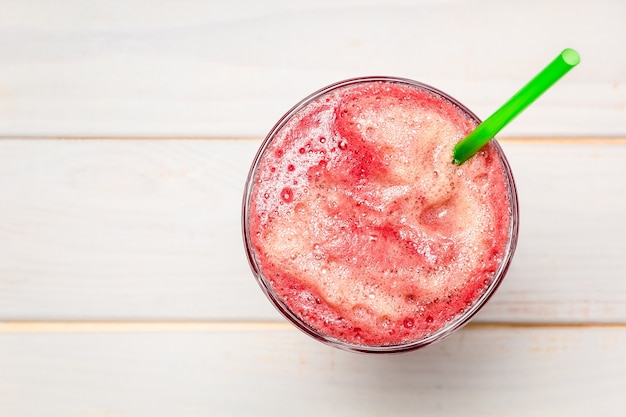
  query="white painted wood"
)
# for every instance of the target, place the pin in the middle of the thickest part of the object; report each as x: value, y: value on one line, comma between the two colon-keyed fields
x: 216, y: 68
x: 477, y: 372
x: 126, y: 229
x: 137, y: 243
x: 150, y: 230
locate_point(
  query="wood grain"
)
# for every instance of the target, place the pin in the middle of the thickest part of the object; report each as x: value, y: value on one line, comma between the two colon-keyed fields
x: 150, y: 230
x: 481, y: 371
x: 208, y: 68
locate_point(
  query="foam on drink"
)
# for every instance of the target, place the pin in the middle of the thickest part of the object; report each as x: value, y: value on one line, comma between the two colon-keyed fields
x: 363, y: 227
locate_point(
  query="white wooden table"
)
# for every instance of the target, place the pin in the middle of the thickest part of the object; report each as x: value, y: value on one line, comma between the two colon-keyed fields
x: 126, y: 132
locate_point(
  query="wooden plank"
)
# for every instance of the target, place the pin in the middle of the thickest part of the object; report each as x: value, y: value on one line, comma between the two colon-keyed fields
x: 126, y: 229
x: 481, y: 371
x: 233, y: 68
x: 150, y: 230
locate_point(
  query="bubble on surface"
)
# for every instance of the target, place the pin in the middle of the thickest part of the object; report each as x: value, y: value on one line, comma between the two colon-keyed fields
x: 383, y: 321
x: 286, y: 195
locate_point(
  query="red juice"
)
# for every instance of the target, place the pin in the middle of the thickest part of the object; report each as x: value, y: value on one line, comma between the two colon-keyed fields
x: 359, y: 227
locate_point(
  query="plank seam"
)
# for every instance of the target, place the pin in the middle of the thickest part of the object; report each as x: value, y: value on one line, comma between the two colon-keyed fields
x: 235, y: 326
x: 582, y: 140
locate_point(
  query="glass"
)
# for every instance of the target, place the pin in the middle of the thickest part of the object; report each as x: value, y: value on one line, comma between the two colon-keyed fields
x: 458, y: 321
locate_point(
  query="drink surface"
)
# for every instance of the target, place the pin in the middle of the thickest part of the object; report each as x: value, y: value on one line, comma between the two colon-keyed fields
x: 361, y: 225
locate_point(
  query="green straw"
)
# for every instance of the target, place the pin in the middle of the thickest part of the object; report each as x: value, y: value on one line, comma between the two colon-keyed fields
x: 485, y: 131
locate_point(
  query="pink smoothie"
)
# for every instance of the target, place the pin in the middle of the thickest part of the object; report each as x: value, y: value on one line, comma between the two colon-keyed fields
x: 362, y: 228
